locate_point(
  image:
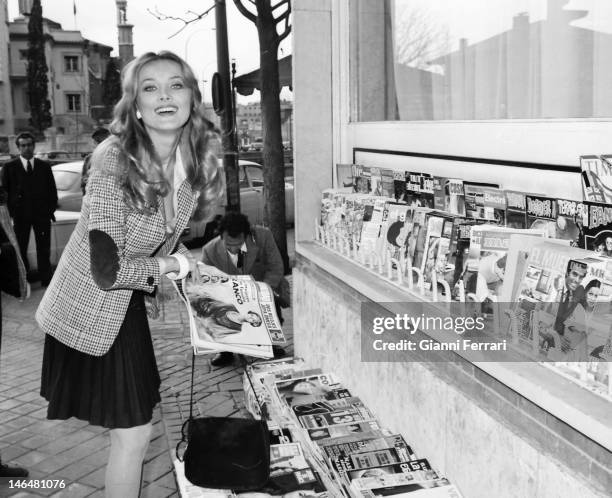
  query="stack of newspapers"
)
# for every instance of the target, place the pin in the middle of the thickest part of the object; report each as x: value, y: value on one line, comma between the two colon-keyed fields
x: 231, y: 313
x: 328, y: 443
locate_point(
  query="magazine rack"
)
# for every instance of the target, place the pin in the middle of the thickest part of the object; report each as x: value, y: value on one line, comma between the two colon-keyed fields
x: 400, y: 272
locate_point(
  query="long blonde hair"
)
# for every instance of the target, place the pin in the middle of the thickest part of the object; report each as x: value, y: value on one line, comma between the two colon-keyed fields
x: 142, y: 172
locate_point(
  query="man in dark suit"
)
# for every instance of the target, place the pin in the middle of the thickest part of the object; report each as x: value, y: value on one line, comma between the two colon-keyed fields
x: 573, y: 294
x: 242, y: 249
x: 32, y: 200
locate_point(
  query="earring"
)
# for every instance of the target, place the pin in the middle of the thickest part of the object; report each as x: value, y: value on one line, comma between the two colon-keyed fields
x: 138, y: 115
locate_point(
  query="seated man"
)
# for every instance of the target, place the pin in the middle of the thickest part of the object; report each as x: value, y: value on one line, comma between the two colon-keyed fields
x: 242, y: 249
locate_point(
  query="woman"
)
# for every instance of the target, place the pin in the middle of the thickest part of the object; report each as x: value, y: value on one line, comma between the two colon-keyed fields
x: 579, y: 324
x: 221, y: 319
x: 155, y: 171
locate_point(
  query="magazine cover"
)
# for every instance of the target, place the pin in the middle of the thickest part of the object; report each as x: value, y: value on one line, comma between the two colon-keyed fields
x: 395, y: 228
x: 361, y: 179
x: 596, y: 174
x: 290, y: 471
x: 392, y: 480
x: 367, y: 444
x: 426, y: 190
x: 474, y: 199
x: 516, y: 209
x: 542, y: 214
x: 294, y: 387
x: 375, y: 181
x: 598, y: 228
x: 571, y: 216
x: 494, y: 205
x: 346, y: 429
x: 439, y: 229
x: 557, y: 280
x: 416, y: 241
x: 231, y: 313
x: 387, y: 183
x: 399, y: 186
x: 438, y: 488
x: 372, y: 223
x: 413, y: 189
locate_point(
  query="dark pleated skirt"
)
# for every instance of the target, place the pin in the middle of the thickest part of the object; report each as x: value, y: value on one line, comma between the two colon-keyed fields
x: 116, y: 390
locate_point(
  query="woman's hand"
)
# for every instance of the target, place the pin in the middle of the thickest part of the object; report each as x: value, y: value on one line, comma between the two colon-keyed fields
x: 193, y: 268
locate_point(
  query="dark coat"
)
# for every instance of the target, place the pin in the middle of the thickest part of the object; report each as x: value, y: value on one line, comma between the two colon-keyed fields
x: 43, y: 195
x: 262, y: 261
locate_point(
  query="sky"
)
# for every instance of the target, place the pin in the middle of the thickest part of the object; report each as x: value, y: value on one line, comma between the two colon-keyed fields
x: 97, y: 21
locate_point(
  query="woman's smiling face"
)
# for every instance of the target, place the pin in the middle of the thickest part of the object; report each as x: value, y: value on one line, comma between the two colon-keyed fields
x: 163, y: 99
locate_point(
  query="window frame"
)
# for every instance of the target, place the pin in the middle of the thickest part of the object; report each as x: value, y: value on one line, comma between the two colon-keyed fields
x: 75, y: 57
x: 79, y: 99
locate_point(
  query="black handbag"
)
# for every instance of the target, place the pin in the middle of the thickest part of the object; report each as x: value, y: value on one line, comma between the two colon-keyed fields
x: 225, y: 452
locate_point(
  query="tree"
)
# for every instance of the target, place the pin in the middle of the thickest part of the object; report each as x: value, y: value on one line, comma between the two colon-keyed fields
x: 267, y: 17
x: 37, y: 69
x: 112, y: 84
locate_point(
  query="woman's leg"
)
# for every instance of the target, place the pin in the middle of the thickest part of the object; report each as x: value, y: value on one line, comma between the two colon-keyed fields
x: 124, y: 469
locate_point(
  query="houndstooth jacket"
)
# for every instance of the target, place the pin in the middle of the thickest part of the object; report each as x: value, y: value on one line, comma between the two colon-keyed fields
x: 82, y: 309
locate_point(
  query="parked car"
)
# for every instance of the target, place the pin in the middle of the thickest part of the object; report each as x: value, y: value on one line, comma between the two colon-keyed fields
x: 68, y: 181
x: 54, y: 157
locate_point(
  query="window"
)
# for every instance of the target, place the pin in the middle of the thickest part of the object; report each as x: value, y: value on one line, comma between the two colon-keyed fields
x: 73, y: 102
x: 418, y: 60
x: 71, y: 63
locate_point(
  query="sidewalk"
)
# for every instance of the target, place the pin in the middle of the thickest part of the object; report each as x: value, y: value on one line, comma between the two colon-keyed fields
x: 75, y: 452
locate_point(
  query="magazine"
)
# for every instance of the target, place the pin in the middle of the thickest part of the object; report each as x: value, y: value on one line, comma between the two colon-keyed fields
x: 367, y: 444
x: 596, y: 173
x: 516, y: 208
x: 231, y: 313
x: 399, y: 185
x: 290, y: 471
x: 598, y: 228
x: 346, y: 429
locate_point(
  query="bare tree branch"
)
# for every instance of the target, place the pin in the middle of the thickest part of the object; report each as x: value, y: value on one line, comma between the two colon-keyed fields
x: 245, y: 12
x: 280, y: 4
x: 196, y: 17
x: 284, y: 15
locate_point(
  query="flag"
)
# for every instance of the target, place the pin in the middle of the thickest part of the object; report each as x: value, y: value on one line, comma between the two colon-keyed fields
x: 74, y: 7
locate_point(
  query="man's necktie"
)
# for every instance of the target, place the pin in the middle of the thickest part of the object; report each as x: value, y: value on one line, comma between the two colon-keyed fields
x: 29, y: 168
x: 240, y: 263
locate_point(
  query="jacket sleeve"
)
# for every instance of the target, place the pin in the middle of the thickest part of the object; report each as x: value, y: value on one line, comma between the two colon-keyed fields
x: 274, y: 262
x: 110, y: 267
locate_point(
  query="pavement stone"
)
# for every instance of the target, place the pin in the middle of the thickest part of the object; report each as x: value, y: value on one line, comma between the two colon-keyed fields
x: 76, y: 452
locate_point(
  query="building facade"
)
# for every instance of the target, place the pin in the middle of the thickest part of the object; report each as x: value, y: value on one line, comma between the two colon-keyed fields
x: 76, y: 76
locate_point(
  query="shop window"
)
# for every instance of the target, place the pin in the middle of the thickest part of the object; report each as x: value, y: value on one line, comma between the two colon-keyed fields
x: 71, y: 63
x: 416, y: 60
x: 73, y: 102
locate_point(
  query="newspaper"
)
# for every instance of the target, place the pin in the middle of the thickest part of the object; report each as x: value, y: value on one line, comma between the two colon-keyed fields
x: 231, y: 313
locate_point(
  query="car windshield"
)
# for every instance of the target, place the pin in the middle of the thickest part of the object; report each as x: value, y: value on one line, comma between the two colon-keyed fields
x: 64, y: 180
x: 256, y: 175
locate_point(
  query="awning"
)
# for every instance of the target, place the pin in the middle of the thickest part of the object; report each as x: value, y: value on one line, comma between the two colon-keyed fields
x: 246, y: 83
